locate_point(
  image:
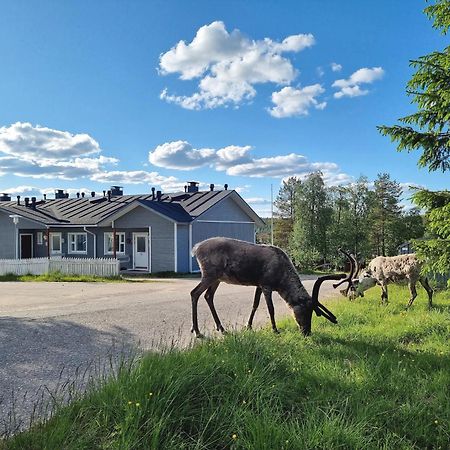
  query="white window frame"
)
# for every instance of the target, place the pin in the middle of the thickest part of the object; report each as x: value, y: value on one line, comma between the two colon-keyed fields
x: 69, y: 244
x: 52, y: 250
x: 39, y: 238
x: 120, y: 236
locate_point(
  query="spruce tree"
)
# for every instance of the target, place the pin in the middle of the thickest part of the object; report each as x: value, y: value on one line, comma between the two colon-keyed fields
x: 428, y: 130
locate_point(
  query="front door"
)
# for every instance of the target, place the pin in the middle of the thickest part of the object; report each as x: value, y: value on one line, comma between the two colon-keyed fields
x: 26, y: 246
x: 140, y: 251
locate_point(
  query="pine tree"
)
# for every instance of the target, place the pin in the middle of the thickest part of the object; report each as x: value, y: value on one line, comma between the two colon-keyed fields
x: 285, y: 204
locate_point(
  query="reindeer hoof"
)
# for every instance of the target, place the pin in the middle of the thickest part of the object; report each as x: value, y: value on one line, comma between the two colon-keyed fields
x: 199, y: 335
x: 276, y: 331
x: 249, y: 327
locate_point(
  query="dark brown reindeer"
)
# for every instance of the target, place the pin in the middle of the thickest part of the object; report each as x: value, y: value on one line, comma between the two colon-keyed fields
x: 264, y: 266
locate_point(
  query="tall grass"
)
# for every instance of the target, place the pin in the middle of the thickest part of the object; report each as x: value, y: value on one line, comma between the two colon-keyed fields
x: 378, y: 380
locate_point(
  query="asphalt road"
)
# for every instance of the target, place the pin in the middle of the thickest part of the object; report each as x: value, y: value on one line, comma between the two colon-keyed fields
x: 53, y: 333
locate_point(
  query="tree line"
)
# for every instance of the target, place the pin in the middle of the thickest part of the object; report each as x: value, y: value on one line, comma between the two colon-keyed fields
x: 314, y: 220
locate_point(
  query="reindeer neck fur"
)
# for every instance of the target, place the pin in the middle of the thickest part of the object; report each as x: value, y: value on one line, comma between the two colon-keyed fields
x: 292, y: 289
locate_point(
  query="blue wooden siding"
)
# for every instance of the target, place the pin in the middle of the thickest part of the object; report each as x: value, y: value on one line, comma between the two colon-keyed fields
x: 227, y: 210
x: 183, y: 247
x: 205, y: 230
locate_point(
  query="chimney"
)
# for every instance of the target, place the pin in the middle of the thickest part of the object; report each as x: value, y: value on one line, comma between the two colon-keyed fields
x: 78, y: 195
x: 185, y: 188
x: 66, y: 195
x: 192, y: 186
x: 5, y: 198
x: 83, y: 194
x: 116, y: 191
x: 211, y: 187
x: 153, y: 193
x: 18, y: 200
x: 59, y: 193
x: 33, y: 202
x: 93, y: 194
x: 104, y: 193
x: 225, y: 186
x: 27, y: 202
x: 45, y: 196
x: 158, y: 195
x: 109, y: 196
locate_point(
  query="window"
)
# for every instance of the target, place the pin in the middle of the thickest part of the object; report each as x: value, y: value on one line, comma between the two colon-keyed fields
x: 39, y: 238
x: 77, y: 243
x: 55, y: 243
x: 120, y: 243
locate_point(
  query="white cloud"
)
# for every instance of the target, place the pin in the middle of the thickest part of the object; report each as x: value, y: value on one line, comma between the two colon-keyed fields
x: 296, y: 102
x: 135, y: 177
x: 351, y: 87
x: 40, y: 152
x: 228, y: 65
x: 236, y: 161
x: 182, y: 156
x: 279, y: 166
x: 335, y: 67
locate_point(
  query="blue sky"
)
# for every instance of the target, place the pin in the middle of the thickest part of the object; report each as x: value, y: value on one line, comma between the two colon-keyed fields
x: 101, y: 93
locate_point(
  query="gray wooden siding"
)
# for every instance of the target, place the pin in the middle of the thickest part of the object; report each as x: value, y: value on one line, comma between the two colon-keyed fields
x: 202, y: 231
x: 65, y: 242
x: 162, y: 243
x: 183, y: 247
x: 228, y: 210
x: 7, y: 237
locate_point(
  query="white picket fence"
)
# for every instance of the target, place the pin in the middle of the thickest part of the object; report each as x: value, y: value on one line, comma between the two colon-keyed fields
x: 101, y: 267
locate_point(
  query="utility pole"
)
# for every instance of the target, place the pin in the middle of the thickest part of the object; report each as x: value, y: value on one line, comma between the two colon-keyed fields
x: 271, y: 212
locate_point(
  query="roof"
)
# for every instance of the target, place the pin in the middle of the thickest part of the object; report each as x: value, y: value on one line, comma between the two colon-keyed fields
x: 84, y: 211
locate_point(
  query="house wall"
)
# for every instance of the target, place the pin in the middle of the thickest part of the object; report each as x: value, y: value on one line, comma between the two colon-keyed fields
x: 162, y: 236
x: 227, y: 210
x: 183, y: 253
x: 7, y: 237
x: 205, y: 230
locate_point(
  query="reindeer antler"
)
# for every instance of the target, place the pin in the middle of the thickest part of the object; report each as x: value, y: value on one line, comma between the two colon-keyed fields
x: 353, y: 267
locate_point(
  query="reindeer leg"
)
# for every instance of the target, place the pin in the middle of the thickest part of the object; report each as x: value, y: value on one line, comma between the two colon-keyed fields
x: 384, y: 294
x: 427, y: 287
x: 268, y: 296
x: 412, y: 289
x: 195, y: 294
x: 209, y: 297
x: 256, y: 301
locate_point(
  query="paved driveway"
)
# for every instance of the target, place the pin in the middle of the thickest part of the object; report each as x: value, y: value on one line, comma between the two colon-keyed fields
x: 51, y: 331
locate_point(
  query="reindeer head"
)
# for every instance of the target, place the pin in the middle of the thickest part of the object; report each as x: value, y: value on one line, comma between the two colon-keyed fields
x: 365, y: 281
x: 303, y: 312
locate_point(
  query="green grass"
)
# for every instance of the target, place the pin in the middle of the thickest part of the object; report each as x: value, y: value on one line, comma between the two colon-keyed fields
x: 60, y: 277
x: 378, y: 380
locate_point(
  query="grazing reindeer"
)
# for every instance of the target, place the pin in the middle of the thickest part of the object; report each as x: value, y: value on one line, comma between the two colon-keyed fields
x: 264, y: 266
x: 386, y: 269
x: 349, y: 291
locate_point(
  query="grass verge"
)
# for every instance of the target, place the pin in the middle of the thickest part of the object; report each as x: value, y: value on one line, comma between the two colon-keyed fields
x: 61, y: 277
x: 378, y: 380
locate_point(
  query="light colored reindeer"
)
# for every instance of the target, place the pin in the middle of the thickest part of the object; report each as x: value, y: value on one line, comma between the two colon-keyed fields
x: 392, y: 269
x: 265, y: 266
